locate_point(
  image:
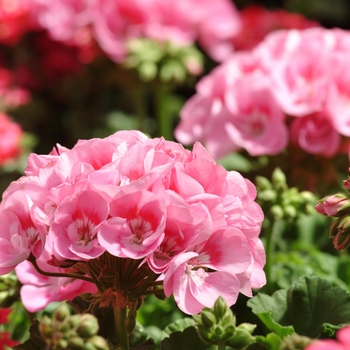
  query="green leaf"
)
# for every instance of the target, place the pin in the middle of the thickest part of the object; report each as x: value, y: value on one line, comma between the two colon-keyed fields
x: 313, y: 301
x: 179, y: 325
x: 272, y: 341
x: 271, y: 310
x: 188, y: 339
x: 312, y: 305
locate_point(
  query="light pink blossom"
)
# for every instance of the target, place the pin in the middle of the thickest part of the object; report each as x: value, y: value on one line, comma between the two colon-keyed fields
x: 74, y: 228
x: 136, y: 226
x: 198, y: 277
x: 21, y: 233
x: 256, y: 123
x: 315, y: 134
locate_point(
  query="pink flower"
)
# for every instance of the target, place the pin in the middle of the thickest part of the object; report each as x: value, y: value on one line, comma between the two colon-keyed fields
x: 136, y: 226
x: 315, y: 134
x: 176, y: 212
x: 74, y: 228
x: 22, y: 233
x: 342, y: 342
x: 38, y: 290
x: 14, y: 19
x: 198, y: 277
x: 62, y: 18
x: 257, y: 123
x: 219, y: 24
x: 10, y: 136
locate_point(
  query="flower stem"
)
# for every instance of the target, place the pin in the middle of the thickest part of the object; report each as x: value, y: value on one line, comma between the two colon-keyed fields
x: 164, y: 120
x: 221, y: 346
x: 119, y: 319
x: 275, y: 226
x: 58, y: 274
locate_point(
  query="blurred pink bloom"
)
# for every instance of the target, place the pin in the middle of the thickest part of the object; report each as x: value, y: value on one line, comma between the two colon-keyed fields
x: 14, y: 20
x: 39, y: 290
x: 182, y: 22
x: 62, y: 18
x: 257, y: 123
x: 10, y: 136
x: 10, y: 94
x: 315, y: 134
x: 342, y: 342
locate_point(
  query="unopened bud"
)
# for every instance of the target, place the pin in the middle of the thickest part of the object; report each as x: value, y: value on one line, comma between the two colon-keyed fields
x: 279, y: 179
x: 241, y: 338
x: 88, y: 326
x: 98, y: 342
x: 207, y: 318
x: 262, y: 183
x: 76, y: 343
x: 220, y: 307
x: 61, y: 313
x: 277, y: 211
x: 340, y: 232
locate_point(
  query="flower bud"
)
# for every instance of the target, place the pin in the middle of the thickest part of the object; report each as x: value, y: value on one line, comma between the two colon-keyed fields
x: 207, y: 318
x: 290, y: 212
x: 46, y: 328
x: 242, y: 337
x: 279, y: 180
x: 88, y: 326
x: 340, y: 232
x: 98, y: 342
x: 262, y: 183
x: 61, y: 313
x: 335, y: 205
x: 277, y: 211
x: 76, y: 343
x: 220, y: 307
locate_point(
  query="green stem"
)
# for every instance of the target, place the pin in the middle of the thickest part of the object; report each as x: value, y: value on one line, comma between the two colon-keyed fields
x: 138, y: 95
x: 58, y: 274
x: 119, y: 319
x: 222, y: 346
x: 275, y: 226
x: 164, y: 120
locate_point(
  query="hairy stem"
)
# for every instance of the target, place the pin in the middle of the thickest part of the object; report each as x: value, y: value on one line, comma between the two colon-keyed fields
x: 119, y: 319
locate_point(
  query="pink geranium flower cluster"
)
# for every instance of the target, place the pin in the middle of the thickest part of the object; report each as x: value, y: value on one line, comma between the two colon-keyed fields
x: 181, y: 215
x: 292, y: 86
x: 113, y: 22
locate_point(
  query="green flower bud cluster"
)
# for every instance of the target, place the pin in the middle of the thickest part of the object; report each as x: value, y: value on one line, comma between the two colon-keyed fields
x: 218, y: 326
x: 295, y: 342
x: 281, y: 202
x: 74, y: 332
x: 166, y: 61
